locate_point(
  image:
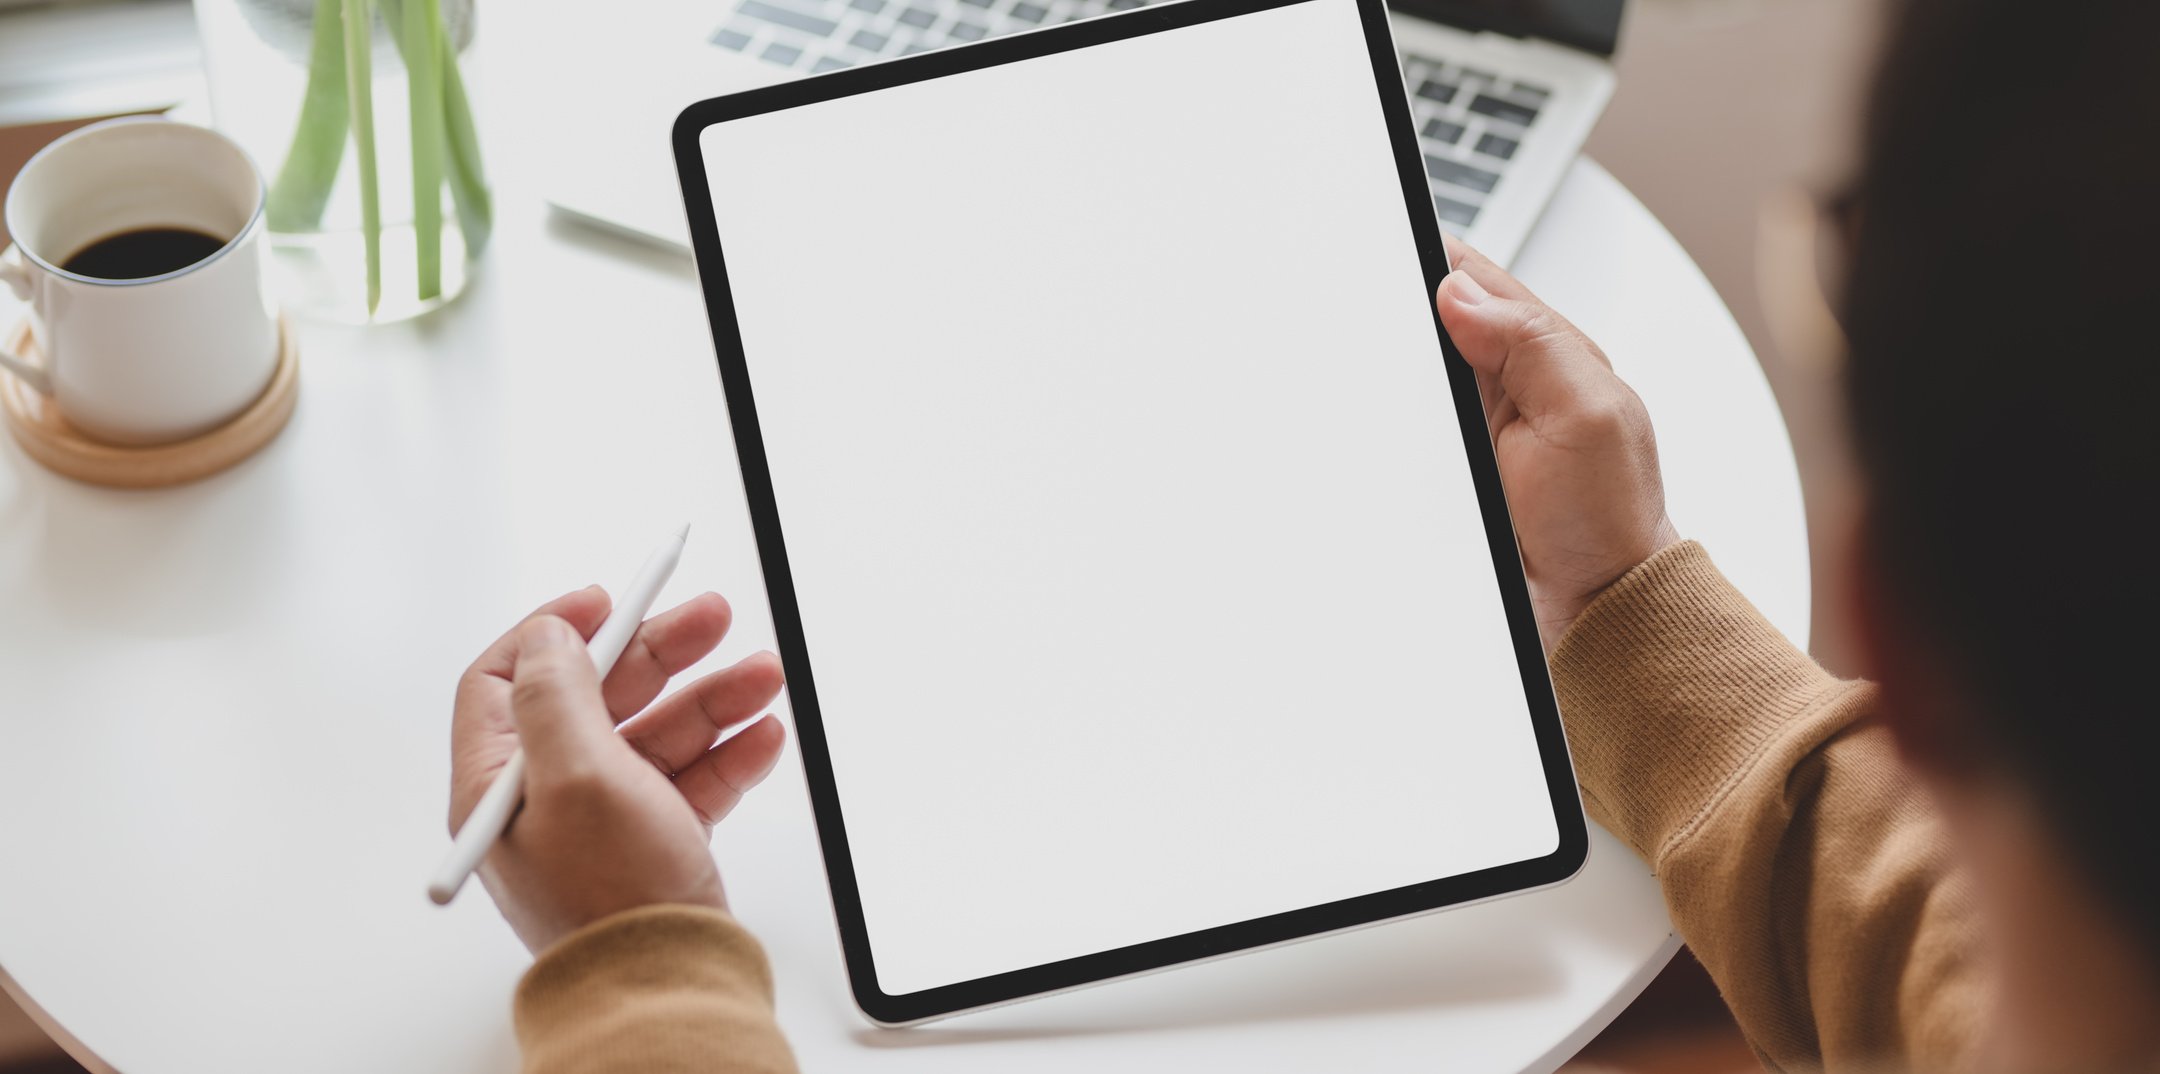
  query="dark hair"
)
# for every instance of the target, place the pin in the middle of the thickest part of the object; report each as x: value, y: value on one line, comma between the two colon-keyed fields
x: 2003, y: 307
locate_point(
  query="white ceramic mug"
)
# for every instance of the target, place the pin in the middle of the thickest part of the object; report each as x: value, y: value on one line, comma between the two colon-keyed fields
x: 157, y: 359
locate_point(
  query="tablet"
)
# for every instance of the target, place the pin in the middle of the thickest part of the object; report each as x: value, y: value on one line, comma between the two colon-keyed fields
x: 1136, y: 551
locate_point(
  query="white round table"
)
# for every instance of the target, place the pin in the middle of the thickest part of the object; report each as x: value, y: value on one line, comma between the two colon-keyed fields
x: 224, y: 708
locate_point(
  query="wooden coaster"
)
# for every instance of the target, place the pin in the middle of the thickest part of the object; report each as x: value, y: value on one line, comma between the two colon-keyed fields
x: 47, y: 437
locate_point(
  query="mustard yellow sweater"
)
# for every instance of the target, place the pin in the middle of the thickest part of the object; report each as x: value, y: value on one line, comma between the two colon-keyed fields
x: 1799, y: 860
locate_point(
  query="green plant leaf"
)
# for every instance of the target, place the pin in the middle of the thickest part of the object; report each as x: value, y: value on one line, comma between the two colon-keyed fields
x: 468, y: 180
x: 423, y: 35
x: 359, y: 83
x: 309, y: 173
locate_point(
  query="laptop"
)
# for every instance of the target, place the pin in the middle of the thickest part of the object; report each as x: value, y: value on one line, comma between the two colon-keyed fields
x: 1503, y: 92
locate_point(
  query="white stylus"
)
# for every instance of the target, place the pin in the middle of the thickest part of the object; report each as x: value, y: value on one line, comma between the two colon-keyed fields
x: 496, y: 807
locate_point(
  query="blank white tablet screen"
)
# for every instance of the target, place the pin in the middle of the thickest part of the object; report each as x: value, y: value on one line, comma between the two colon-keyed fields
x: 1140, y: 571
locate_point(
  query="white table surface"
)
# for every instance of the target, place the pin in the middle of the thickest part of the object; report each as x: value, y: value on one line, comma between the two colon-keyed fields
x: 224, y: 708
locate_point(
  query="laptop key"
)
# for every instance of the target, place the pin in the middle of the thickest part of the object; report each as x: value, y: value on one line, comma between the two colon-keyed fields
x: 1462, y: 175
x: 1436, y: 91
x: 1124, y: 5
x: 1534, y: 96
x: 826, y: 63
x: 781, y: 54
x: 1455, y: 212
x: 1029, y: 12
x: 867, y: 40
x: 788, y: 17
x: 1489, y: 105
x: 871, y: 6
x: 1441, y: 130
x: 917, y: 17
x: 967, y: 31
x: 1493, y: 145
x: 731, y: 40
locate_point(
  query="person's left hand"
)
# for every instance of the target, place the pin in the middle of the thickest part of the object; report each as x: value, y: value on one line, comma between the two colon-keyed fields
x: 610, y: 822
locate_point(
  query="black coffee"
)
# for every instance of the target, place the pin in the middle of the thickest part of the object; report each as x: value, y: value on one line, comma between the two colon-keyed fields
x: 150, y: 251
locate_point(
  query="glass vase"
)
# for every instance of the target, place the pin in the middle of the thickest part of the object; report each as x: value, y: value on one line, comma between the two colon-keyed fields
x: 360, y: 114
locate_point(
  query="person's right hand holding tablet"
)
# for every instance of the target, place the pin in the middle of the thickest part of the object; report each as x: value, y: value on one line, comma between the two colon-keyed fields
x: 1577, y: 455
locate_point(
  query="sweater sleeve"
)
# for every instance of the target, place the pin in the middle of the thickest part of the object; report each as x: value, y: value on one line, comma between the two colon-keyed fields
x: 1799, y: 860
x: 652, y: 990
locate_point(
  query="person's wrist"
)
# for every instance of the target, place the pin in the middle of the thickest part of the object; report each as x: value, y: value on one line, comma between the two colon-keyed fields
x: 1658, y: 537
x: 1663, y: 536
x: 542, y: 910
x: 1562, y: 619
x: 1556, y: 616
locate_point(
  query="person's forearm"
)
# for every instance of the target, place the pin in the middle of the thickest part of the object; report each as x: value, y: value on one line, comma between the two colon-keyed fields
x: 654, y: 990
x: 1798, y: 858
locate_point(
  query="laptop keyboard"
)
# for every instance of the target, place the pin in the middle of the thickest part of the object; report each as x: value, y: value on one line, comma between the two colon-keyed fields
x: 816, y: 36
x: 1470, y: 122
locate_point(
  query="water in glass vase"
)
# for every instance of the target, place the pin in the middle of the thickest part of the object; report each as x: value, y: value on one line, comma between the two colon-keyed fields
x: 362, y: 120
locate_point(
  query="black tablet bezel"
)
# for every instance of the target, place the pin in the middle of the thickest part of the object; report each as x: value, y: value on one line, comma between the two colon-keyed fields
x: 1573, y: 845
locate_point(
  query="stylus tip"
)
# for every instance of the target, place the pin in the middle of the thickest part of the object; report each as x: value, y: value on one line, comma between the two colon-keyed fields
x: 683, y: 534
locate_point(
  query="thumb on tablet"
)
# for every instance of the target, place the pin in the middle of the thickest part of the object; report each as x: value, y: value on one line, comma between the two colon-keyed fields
x: 1523, y: 352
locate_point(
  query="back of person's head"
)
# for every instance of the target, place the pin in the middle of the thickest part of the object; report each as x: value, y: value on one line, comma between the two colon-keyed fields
x: 2003, y: 306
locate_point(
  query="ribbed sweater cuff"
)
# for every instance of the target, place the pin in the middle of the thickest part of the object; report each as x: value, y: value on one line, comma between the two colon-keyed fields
x: 659, y: 988
x: 1671, y: 685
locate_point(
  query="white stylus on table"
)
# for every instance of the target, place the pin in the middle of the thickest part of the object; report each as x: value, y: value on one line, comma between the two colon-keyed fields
x: 492, y: 815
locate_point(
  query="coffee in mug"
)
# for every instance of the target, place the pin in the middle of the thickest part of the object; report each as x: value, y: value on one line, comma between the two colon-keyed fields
x: 150, y: 251
x: 138, y: 246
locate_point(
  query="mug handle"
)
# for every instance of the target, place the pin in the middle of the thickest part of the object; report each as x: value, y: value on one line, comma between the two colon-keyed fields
x: 17, y: 277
